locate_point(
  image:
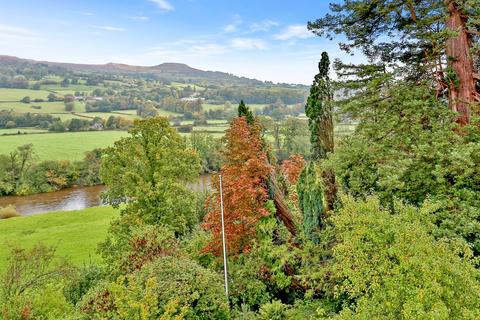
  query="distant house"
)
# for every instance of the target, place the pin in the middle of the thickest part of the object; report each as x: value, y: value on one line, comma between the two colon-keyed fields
x: 192, y: 99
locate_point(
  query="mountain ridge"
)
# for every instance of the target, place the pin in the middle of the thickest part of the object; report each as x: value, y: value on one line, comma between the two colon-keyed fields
x: 167, y: 68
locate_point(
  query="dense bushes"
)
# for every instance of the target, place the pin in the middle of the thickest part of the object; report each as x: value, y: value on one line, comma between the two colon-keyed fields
x: 7, y: 118
x: 413, y: 152
x: 22, y: 174
x: 168, y: 286
x: 386, y: 265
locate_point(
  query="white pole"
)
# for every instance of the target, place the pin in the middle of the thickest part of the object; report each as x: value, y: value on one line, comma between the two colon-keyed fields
x: 223, y: 238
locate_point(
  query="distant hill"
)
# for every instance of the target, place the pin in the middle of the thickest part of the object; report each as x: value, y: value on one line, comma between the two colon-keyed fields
x: 162, y: 70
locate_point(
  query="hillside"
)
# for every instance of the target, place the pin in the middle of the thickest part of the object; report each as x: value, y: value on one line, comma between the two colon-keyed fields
x: 163, y: 70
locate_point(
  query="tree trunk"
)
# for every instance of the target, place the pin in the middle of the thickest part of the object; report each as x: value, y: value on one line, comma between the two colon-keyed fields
x: 462, y: 91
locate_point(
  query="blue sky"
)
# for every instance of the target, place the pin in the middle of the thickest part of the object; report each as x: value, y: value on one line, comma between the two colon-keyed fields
x: 262, y: 39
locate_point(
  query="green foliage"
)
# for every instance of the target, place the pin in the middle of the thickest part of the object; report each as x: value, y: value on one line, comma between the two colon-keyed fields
x: 26, y: 286
x: 311, y: 200
x: 274, y: 310
x: 208, y: 148
x: 87, y: 277
x: 244, y: 111
x: 319, y: 111
x: 130, y: 244
x: 389, y: 266
x: 268, y: 270
x: 21, y: 174
x: 408, y: 149
x: 148, y: 171
x: 167, y: 287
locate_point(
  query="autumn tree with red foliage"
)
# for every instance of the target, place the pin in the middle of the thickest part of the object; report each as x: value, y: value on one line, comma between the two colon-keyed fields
x: 292, y: 168
x: 245, y: 189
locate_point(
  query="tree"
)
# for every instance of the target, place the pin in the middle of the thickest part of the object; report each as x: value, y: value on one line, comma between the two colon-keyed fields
x: 76, y: 124
x: 292, y: 168
x: 317, y: 187
x: 386, y: 265
x: 148, y: 172
x: 410, y: 151
x: 319, y: 111
x: 244, y: 111
x: 51, y: 97
x: 26, y: 99
x: 27, y: 272
x: 414, y: 40
x: 245, y: 189
x: 167, y: 288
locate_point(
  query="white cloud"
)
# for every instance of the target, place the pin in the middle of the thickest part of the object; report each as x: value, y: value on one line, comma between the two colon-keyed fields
x: 111, y: 28
x: 17, y: 33
x: 183, y: 49
x: 143, y: 18
x: 247, y: 43
x: 263, y: 26
x: 163, y: 5
x: 232, y: 27
x: 84, y: 13
x: 295, y: 31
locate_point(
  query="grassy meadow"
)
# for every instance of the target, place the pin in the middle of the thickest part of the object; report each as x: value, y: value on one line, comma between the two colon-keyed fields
x: 62, y: 146
x: 75, y: 234
x: 8, y: 94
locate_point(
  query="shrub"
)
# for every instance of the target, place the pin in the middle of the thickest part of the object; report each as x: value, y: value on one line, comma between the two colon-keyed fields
x: 274, y: 310
x: 26, y: 285
x: 9, y: 212
x: 10, y: 125
x: 86, y: 278
x: 389, y: 266
x: 185, y: 128
x: 166, y: 287
x: 132, y: 244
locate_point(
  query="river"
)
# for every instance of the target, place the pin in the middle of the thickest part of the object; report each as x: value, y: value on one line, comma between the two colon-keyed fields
x: 72, y: 198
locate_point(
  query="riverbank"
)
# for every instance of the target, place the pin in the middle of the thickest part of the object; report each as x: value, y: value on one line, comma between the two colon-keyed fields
x: 75, y: 234
x: 77, y: 198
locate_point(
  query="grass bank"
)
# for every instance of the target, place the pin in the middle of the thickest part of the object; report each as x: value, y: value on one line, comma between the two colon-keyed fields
x: 62, y: 146
x: 75, y: 234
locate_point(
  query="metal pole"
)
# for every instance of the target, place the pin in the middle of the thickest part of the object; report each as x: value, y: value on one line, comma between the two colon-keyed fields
x: 223, y: 238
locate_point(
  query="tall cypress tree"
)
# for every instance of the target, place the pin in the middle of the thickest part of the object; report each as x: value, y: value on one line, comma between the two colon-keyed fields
x: 316, y: 188
x: 319, y: 111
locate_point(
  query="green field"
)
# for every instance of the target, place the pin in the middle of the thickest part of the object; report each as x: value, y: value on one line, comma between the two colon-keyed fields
x: 47, y: 107
x: 62, y: 146
x: 22, y: 130
x: 75, y: 234
x: 211, y: 128
x: 7, y: 94
x: 208, y: 106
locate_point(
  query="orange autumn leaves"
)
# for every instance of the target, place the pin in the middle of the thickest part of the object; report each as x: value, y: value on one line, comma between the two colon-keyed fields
x: 245, y: 188
x: 292, y: 168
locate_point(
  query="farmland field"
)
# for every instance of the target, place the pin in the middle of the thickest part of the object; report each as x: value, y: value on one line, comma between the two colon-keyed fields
x: 75, y: 234
x: 7, y: 94
x: 22, y: 130
x: 61, y: 146
x: 46, y: 107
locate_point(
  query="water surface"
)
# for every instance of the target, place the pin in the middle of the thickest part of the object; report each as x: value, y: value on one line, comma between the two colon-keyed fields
x: 72, y: 198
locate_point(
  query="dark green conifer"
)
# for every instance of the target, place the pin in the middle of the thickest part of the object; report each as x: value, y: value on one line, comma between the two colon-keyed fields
x: 319, y: 111
x: 316, y: 188
x: 244, y: 111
